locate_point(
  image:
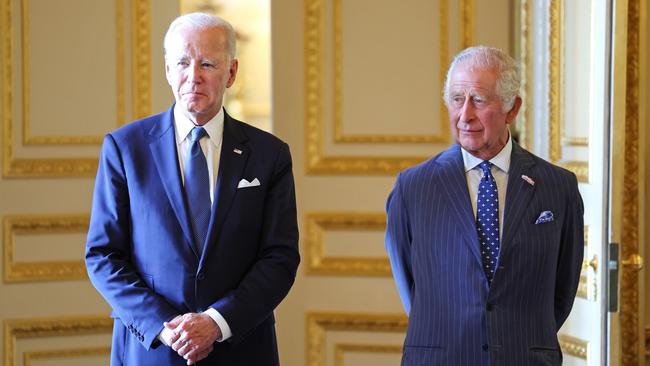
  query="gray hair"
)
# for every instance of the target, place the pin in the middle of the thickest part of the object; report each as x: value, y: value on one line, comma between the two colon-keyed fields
x: 483, y: 57
x: 203, y: 21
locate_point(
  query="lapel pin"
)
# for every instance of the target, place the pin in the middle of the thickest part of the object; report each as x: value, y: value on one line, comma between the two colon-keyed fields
x: 528, y: 179
x: 237, y: 151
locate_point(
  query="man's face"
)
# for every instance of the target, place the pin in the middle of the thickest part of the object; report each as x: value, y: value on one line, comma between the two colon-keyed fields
x: 198, y: 69
x: 476, y: 115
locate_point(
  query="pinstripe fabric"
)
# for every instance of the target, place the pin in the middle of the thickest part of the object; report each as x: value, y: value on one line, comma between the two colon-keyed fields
x: 455, y: 318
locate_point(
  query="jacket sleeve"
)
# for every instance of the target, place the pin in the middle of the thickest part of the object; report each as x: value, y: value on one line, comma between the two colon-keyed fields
x: 571, y: 254
x: 272, y: 274
x: 108, y: 253
x: 398, y: 244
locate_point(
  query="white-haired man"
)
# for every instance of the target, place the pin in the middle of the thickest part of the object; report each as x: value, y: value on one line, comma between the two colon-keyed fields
x: 485, y: 239
x: 193, y: 238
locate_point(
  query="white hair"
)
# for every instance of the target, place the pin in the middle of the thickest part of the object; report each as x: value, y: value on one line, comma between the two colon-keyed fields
x: 203, y: 21
x: 483, y: 57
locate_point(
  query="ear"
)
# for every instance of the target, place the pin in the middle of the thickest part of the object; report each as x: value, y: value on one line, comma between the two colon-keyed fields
x: 232, y: 72
x: 512, y: 113
x: 167, y: 75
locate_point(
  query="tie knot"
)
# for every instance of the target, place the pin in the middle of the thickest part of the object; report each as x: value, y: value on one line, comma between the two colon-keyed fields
x: 197, y: 133
x: 485, y: 167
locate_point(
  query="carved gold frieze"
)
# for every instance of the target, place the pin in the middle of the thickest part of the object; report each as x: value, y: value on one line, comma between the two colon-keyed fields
x: 67, y: 167
x: 16, y: 329
x: 30, y: 356
x: 319, y: 263
x: 318, y: 324
x: 575, y: 347
x: 41, y: 271
x: 340, y: 349
x: 525, y: 121
x: 556, y: 82
x: 317, y: 161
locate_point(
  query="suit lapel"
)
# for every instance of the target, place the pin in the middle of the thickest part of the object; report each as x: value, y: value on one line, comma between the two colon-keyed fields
x: 165, y: 156
x: 518, y: 193
x: 234, y: 155
x: 455, y: 184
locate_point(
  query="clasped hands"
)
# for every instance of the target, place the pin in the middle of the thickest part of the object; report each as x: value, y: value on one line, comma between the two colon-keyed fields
x: 191, y: 335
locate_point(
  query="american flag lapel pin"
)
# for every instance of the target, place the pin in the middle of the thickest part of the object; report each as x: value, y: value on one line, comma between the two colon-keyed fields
x: 237, y: 151
x: 528, y: 179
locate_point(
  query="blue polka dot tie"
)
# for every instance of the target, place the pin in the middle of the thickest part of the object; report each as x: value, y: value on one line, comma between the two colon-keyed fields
x: 197, y: 187
x: 487, y: 220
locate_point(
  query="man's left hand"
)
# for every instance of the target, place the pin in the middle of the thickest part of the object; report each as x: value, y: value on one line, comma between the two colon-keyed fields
x: 197, y: 333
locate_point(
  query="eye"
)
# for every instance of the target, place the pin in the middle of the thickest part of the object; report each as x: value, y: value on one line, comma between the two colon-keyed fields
x: 207, y: 65
x: 457, y: 100
x: 182, y: 63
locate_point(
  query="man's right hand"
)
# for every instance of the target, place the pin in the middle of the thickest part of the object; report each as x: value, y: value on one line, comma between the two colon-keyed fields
x: 168, y: 336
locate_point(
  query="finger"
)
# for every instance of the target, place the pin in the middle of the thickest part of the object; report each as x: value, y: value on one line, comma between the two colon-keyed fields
x: 174, y: 322
x: 197, y: 356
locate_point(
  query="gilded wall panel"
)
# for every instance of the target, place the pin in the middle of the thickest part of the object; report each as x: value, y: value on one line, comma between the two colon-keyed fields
x: 15, y: 31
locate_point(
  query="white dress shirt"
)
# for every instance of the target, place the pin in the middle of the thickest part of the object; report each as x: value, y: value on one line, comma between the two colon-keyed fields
x: 211, y: 146
x: 500, y: 168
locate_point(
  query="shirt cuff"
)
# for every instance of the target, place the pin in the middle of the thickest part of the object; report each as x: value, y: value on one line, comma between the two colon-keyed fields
x: 221, y: 323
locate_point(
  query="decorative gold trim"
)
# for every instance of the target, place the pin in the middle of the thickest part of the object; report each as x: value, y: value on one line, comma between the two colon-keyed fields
x: 318, y: 324
x: 30, y: 356
x: 556, y: 80
x: 339, y: 134
x: 70, y: 167
x: 587, y: 287
x: 575, y: 347
x: 41, y: 271
x: 576, y: 141
x: 317, y: 162
x: 318, y: 263
x: 526, y: 39
x: 15, y: 329
x: 141, y: 58
x: 28, y: 139
x: 467, y: 21
x: 629, y: 311
x: 340, y: 349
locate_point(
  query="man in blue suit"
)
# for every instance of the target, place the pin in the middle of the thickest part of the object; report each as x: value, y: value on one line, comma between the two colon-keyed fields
x: 485, y: 239
x: 193, y: 238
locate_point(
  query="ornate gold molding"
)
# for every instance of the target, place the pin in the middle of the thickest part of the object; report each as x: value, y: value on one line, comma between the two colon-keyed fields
x: 50, y: 327
x: 339, y: 134
x: 30, y: 356
x: 318, y: 324
x: 41, y: 271
x: 317, y: 263
x: 629, y: 310
x: 340, y: 349
x: 575, y: 347
x: 556, y: 77
x: 525, y: 52
x: 70, y: 167
x: 588, y: 287
x: 467, y: 21
x: 317, y: 162
x: 141, y: 58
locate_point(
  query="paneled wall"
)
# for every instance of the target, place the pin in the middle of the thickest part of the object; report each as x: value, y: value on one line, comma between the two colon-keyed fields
x: 357, y: 95
x: 72, y: 70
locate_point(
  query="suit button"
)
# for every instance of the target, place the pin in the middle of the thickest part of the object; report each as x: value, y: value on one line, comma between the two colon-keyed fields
x: 489, y: 307
x: 201, y: 276
x: 485, y: 347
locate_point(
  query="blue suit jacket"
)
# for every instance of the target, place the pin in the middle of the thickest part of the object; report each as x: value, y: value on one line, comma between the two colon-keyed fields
x: 455, y: 318
x: 140, y: 254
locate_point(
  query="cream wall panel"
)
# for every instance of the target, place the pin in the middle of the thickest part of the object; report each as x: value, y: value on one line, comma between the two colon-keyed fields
x: 390, y: 66
x: 85, y: 68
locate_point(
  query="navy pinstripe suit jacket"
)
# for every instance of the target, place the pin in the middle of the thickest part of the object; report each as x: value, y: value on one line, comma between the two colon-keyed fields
x: 455, y: 318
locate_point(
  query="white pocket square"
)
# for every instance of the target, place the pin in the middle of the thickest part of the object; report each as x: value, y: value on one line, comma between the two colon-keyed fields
x: 245, y: 184
x: 546, y: 216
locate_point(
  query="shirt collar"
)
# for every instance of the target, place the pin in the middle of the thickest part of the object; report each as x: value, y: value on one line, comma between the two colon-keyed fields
x: 501, y: 160
x: 184, y: 126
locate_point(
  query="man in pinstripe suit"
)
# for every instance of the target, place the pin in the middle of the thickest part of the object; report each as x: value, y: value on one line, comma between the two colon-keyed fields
x: 473, y: 300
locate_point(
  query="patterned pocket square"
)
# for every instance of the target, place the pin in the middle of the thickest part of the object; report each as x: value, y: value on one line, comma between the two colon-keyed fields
x: 545, y: 216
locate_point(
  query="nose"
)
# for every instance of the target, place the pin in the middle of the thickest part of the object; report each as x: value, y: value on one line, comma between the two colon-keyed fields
x: 194, y: 73
x: 467, y: 111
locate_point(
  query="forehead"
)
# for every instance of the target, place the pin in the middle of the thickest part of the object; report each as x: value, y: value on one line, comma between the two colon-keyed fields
x: 466, y: 77
x: 209, y: 41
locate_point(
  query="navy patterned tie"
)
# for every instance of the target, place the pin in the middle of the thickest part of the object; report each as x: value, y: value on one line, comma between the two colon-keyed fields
x: 197, y: 187
x: 487, y: 220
